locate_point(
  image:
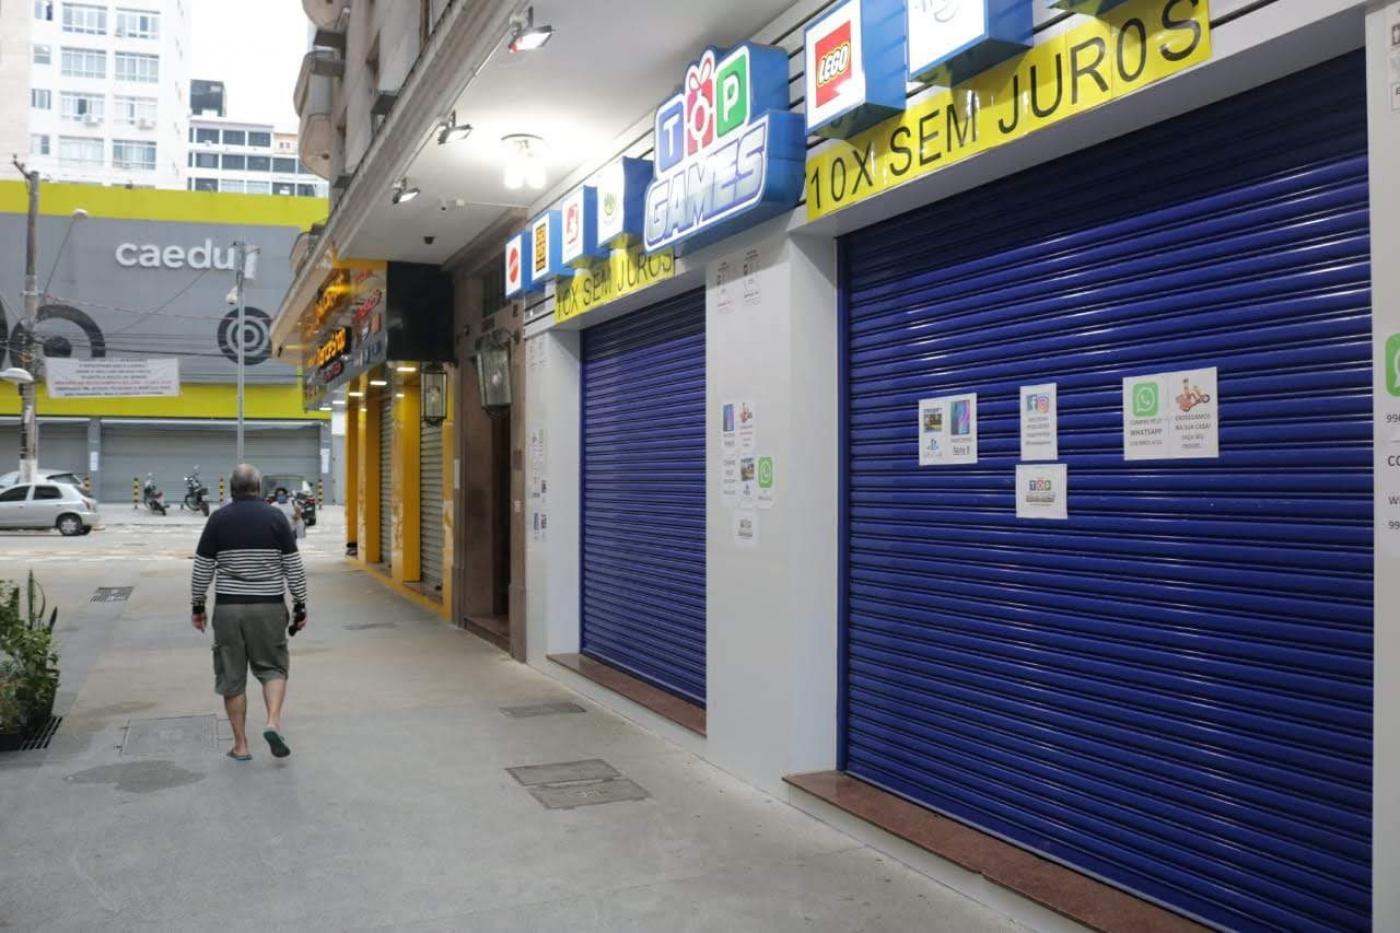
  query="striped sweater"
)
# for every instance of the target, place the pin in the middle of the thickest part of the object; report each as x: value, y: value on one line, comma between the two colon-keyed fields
x: 249, y: 553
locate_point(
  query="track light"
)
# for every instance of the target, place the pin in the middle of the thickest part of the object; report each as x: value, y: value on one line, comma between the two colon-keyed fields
x: 453, y: 132
x: 404, y: 192
x: 525, y: 35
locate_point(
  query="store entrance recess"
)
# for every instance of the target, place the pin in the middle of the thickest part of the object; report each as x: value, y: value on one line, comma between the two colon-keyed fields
x: 1170, y: 689
x: 644, y: 494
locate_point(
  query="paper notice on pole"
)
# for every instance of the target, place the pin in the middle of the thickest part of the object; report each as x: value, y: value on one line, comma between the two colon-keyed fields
x: 1172, y: 416
x: 948, y: 430
x: 1040, y: 422
x: 723, y: 285
x: 94, y: 458
x: 1042, y: 491
x: 748, y: 482
x: 747, y: 424
x: 766, y: 481
x: 729, y: 479
x: 325, y: 459
x: 753, y: 293
x: 746, y: 530
x: 112, y: 378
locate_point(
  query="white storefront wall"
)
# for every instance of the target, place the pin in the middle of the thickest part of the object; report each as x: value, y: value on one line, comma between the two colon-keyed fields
x: 772, y: 611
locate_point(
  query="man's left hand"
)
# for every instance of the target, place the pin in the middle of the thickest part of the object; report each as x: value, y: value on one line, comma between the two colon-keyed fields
x: 198, y: 621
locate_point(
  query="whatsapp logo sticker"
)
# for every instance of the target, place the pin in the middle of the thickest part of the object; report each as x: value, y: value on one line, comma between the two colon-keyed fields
x: 1147, y: 400
x: 765, y: 472
x: 1392, y: 365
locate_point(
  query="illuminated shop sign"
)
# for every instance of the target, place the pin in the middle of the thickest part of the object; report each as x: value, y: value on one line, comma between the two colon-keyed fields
x: 579, y: 218
x: 854, y: 67
x: 622, y: 192
x: 952, y: 40
x: 1137, y: 43
x: 546, y: 249
x: 518, y: 264
x: 333, y: 348
x: 729, y: 153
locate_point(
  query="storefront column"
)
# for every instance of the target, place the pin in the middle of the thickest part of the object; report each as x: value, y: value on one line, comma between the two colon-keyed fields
x: 449, y: 492
x: 368, y: 454
x: 1383, y: 94
x: 354, y: 429
x: 406, y: 495
x: 94, y: 464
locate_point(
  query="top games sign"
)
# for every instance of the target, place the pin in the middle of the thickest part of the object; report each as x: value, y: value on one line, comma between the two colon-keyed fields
x: 729, y: 153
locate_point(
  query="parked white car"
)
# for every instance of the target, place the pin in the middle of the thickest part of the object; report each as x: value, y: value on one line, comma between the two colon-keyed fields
x: 44, y: 475
x: 48, y: 505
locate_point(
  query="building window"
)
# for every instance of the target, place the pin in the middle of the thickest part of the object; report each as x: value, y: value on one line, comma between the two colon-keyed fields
x: 85, y: 107
x: 235, y: 163
x: 204, y: 184
x: 284, y: 188
x: 136, y: 111
x: 43, y: 10
x: 39, y: 144
x: 84, y: 63
x: 235, y: 138
x: 77, y: 150
x: 205, y: 159
x: 40, y: 99
x: 284, y: 166
x: 259, y: 187
x: 138, y: 24
x: 259, y: 140
x: 43, y: 55
x: 231, y: 185
x: 85, y: 19
x: 259, y: 163
x: 134, y: 153
x: 206, y: 135
x: 133, y: 66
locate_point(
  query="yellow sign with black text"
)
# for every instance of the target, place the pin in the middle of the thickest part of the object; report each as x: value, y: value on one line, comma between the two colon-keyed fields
x: 1130, y: 47
x: 621, y: 274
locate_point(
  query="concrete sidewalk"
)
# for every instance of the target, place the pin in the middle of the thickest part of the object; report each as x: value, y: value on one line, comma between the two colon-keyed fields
x: 396, y: 809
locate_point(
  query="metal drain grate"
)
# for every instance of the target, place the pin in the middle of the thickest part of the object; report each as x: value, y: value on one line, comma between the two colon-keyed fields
x: 37, y: 741
x: 571, y: 784
x: 541, y: 709
x: 112, y: 594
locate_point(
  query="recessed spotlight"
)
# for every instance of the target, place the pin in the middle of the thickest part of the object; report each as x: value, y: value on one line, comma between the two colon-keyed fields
x: 452, y: 132
x: 525, y: 36
x: 355, y: 394
x: 338, y: 401
x: 379, y: 383
x: 406, y: 368
x: 404, y: 192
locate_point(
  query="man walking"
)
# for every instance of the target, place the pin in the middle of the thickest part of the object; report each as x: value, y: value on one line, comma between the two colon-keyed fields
x: 249, y: 552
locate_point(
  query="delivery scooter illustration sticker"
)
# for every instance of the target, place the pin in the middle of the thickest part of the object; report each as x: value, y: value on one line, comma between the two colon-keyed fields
x: 1191, y: 396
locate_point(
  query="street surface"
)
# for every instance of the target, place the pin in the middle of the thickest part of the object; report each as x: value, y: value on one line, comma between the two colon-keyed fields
x: 396, y: 809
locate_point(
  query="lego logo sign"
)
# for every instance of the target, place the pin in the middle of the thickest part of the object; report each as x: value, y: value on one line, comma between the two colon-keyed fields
x: 834, y: 60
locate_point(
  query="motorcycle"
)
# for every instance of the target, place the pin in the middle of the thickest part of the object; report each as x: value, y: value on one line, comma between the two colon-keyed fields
x: 196, y: 494
x: 152, y: 497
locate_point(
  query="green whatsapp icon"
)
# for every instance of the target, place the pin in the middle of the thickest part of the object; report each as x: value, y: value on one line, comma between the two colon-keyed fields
x: 765, y: 472
x: 1392, y: 365
x: 1147, y: 400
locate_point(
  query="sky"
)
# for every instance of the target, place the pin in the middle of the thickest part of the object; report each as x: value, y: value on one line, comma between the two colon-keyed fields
x: 255, y: 47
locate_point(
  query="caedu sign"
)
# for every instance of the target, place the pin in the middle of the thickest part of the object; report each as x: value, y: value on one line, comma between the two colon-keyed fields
x: 729, y: 153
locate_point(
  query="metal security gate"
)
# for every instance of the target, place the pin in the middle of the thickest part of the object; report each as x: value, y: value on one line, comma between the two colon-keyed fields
x: 386, y: 475
x: 170, y: 451
x: 644, y: 494
x: 1171, y: 690
x: 430, y: 504
x: 63, y: 445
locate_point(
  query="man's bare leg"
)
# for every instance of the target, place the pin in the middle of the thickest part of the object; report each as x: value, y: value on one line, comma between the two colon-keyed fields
x: 274, y: 692
x: 237, y: 709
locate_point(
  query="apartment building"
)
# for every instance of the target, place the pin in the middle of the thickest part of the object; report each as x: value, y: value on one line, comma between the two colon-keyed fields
x: 108, y: 87
x: 247, y: 158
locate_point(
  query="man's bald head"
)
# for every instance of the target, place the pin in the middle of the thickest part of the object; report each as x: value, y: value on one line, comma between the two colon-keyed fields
x: 246, y: 481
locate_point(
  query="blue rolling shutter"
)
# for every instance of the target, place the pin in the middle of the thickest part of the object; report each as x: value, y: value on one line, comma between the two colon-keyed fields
x: 644, y: 494
x: 1172, y: 689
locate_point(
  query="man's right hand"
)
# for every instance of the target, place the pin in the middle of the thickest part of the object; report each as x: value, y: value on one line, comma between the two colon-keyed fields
x: 199, y: 620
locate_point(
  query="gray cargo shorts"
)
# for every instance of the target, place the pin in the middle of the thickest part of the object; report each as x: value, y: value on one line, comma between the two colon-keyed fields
x: 249, y: 635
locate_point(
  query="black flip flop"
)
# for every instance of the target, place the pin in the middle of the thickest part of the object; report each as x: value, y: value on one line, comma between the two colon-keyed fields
x: 239, y: 757
x: 276, y: 743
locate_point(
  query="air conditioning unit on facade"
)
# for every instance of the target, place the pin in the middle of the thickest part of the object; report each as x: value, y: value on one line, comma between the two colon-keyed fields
x: 92, y: 119
x: 146, y: 123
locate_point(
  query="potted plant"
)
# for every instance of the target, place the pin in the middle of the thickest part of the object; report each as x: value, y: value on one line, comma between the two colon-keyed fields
x: 28, y: 663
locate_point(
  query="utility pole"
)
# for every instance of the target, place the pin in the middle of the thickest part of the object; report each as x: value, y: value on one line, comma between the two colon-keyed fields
x: 29, y: 392
x: 240, y: 266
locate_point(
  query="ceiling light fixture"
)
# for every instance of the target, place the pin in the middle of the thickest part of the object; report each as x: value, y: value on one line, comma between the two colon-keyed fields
x: 406, y: 368
x: 453, y: 132
x: 524, y: 161
x: 354, y: 394
x: 404, y: 192
x: 379, y: 383
x: 525, y: 36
